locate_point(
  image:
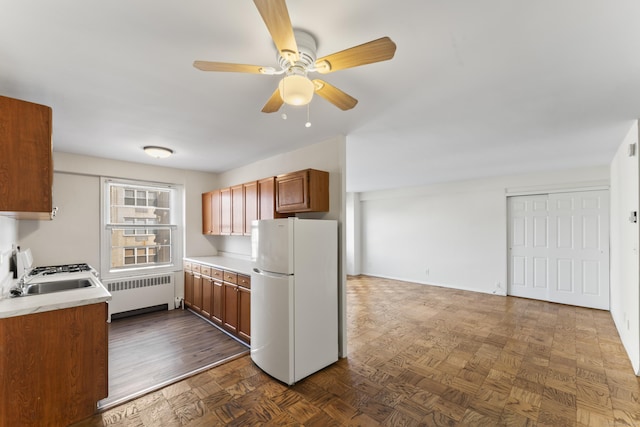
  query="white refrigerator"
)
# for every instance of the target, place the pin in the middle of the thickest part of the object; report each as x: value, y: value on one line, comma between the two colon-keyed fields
x: 294, y: 296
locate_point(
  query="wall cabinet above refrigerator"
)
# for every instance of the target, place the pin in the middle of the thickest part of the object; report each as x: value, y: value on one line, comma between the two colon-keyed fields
x: 302, y: 191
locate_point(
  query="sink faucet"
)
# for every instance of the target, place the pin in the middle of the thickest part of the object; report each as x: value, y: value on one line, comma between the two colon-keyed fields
x: 20, y: 288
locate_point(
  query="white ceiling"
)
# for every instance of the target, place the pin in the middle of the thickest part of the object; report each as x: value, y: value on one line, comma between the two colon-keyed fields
x: 477, y: 87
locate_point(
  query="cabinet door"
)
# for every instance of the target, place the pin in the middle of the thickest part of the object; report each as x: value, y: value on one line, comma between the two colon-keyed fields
x: 302, y: 191
x: 211, y: 212
x: 237, y: 210
x: 250, y: 205
x: 225, y: 211
x: 26, y: 172
x: 215, y: 212
x: 188, y: 288
x: 207, y: 226
x: 217, y: 297
x: 197, y: 292
x: 207, y: 293
x: 56, y: 369
x: 244, y: 314
x: 292, y: 192
x: 231, y: 307
x: 267, y: 199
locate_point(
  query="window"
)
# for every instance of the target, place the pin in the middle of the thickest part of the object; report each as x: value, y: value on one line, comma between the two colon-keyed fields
x: 140, y: 226
x: 136, y: 220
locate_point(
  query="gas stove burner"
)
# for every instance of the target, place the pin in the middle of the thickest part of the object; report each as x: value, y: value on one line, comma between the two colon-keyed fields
x: 55, y: 269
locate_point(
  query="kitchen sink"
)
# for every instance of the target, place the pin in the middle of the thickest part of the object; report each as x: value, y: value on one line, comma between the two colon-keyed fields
x: 57, y: 286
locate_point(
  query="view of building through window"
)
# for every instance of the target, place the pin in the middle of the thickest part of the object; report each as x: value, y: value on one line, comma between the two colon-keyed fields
x: 140, y: 226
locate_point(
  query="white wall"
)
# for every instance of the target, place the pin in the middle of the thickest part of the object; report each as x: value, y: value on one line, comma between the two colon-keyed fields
x: 353, y: 234
x: 625, y: 262
x: 454, y: 234
x: 8, y: 237
x: 74, y: 235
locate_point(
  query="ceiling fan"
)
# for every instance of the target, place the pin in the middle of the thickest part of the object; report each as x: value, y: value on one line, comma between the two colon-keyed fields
x: 297, y: 58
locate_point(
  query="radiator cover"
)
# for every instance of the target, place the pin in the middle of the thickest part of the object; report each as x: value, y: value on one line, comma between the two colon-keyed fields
x: 133, y: 293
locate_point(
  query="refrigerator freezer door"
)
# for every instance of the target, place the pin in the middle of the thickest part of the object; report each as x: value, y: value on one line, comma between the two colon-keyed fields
x: 273, y: 251
x: 272, y: 313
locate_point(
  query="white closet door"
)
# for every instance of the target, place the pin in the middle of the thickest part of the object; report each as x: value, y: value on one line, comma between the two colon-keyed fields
x: 559, y: 248
x: 529, y: 246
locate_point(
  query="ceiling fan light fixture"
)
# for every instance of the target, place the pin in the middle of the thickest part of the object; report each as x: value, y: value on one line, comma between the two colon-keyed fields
x: 158, y: 152
x: 296, y: 89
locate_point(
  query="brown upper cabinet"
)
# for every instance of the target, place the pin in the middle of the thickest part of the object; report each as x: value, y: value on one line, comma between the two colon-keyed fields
x: 267, y: 199
x: 237, y: 210
x: 207, y: 217
x: 215, y: 212
x: 303, y: 191
x: 225, y: 211
x: 211, y: 212
x: 26, y: 165
x: 232, y: 210
x: 250, y: 190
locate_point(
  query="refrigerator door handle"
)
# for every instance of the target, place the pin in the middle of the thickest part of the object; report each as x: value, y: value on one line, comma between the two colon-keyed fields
x: 270, y: 273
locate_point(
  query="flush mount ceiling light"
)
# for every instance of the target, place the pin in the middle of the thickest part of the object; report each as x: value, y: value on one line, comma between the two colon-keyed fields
x: 158, y: 152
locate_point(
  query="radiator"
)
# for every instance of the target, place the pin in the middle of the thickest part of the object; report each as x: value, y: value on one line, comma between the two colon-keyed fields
x: 134, y: 293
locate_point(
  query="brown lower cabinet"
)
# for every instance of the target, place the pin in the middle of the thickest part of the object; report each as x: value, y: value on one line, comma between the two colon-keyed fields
x: 230, y: 307
x: 197, y: 292
x: 188, y: 284
x: 244, y: 313
x: 216, y: 311
x: 53, y: 366
x: 207, y: 300
x: 222, y: 296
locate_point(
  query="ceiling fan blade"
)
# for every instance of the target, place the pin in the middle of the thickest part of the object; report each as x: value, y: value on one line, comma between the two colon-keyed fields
x: 378, y: 50
x: 276, y: 16
x: 225, y: 66
x: 274, y: 103
x: 334, y: 95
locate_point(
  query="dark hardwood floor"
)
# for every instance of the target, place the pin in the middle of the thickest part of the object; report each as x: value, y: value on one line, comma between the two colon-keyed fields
x: 424, y: 356
x: 150, y: 351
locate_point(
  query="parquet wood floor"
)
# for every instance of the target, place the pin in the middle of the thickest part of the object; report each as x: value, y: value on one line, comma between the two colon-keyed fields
x: 422, y: 355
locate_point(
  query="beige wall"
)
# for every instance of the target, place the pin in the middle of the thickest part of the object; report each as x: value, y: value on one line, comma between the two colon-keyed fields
x: 74, y: 235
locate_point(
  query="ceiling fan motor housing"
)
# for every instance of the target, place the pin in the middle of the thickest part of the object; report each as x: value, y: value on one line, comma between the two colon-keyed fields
x: 306, y: 49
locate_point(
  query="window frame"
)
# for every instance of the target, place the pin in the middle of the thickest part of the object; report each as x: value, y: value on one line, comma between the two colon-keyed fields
x: 176, y: 227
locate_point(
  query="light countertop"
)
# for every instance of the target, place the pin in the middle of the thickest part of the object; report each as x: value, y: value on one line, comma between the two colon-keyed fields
x: 19, y: 306
x: 239, y: 265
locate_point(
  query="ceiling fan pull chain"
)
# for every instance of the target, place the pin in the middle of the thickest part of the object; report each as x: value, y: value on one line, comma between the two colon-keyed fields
x: 308, y: 124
